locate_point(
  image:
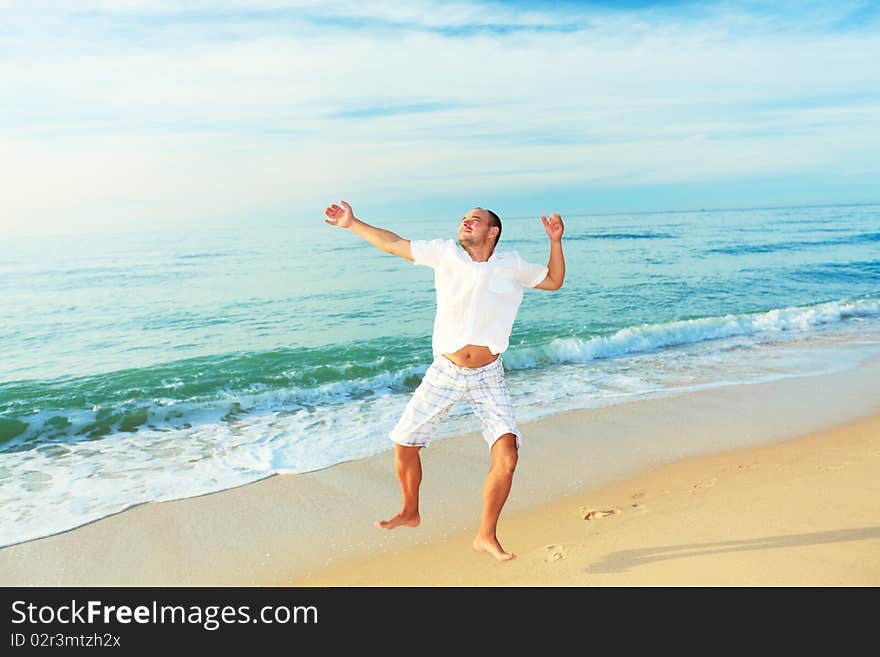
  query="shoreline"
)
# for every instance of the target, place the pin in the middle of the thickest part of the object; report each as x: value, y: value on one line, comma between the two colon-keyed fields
x: 289, y: 528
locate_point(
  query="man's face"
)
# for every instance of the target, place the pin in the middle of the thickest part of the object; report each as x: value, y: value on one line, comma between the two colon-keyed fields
x: 475, y: 230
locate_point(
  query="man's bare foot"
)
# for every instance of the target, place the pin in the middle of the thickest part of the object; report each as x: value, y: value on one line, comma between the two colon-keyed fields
x: 493, y: 547
x: 407, y: 520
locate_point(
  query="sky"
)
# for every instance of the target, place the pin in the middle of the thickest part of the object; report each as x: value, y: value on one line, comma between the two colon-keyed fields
x: 130, y: 114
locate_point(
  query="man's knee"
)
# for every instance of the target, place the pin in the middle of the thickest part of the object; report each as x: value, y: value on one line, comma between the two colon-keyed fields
x: 504, y: 453
x: 406, y: 453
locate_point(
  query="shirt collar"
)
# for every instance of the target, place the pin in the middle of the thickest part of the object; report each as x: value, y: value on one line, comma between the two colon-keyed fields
x: 467, y: 255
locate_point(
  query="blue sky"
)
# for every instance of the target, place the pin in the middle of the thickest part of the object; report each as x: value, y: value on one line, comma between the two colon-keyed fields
x: 125, y: 114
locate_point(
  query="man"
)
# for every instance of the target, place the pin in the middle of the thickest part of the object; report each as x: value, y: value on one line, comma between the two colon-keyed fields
x: 478, y: 295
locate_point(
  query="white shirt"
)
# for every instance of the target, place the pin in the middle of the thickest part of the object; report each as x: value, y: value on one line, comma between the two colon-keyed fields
x: 477, y: 302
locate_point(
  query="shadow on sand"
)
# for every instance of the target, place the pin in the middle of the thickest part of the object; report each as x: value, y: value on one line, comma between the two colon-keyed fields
x: 624, y: 560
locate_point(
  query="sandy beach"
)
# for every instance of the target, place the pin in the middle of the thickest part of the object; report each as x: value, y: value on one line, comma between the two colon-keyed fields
x: 801, y: 513
x: 774, y: 483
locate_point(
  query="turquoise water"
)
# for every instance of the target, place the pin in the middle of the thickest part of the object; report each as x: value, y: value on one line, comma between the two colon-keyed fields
x: 149, y: 366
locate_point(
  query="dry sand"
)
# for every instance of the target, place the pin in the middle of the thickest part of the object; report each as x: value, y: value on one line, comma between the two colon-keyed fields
x: 774, y: 483
x: 801, y: 513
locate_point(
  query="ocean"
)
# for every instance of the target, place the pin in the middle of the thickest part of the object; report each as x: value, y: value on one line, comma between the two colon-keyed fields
x: 146, y: 366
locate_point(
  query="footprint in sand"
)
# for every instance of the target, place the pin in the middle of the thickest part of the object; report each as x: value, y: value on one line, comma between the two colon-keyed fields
x: 553, y: 553
x: 594, y: 514
x: 832, y: 467
x: 708, y: 483
x: 641, y: 508
x: 638, y: 494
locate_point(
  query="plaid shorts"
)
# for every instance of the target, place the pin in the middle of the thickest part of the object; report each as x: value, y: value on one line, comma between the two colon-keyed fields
x: 444, y: 384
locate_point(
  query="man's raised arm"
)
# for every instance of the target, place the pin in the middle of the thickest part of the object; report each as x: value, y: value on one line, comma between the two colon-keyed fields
x: 556, y: 265
x: 392, y: 243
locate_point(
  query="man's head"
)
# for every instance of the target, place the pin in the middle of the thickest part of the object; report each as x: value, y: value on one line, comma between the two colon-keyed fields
x: 479, y: 227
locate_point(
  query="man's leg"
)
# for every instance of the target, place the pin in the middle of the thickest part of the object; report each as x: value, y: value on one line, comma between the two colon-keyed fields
x: 495, y: 492
x: 429, y: 404
x: 409, y: 472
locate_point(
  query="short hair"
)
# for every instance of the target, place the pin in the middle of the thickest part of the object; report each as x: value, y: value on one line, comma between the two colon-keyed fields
x: 494, y: 220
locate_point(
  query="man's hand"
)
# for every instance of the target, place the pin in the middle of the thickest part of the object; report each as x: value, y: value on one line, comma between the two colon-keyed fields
x: 342, y: 217
x: 553, y: 226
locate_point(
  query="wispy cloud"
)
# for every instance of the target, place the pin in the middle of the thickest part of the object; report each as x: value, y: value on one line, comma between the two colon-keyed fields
x: 391, y: 110
x: 126, y: 112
